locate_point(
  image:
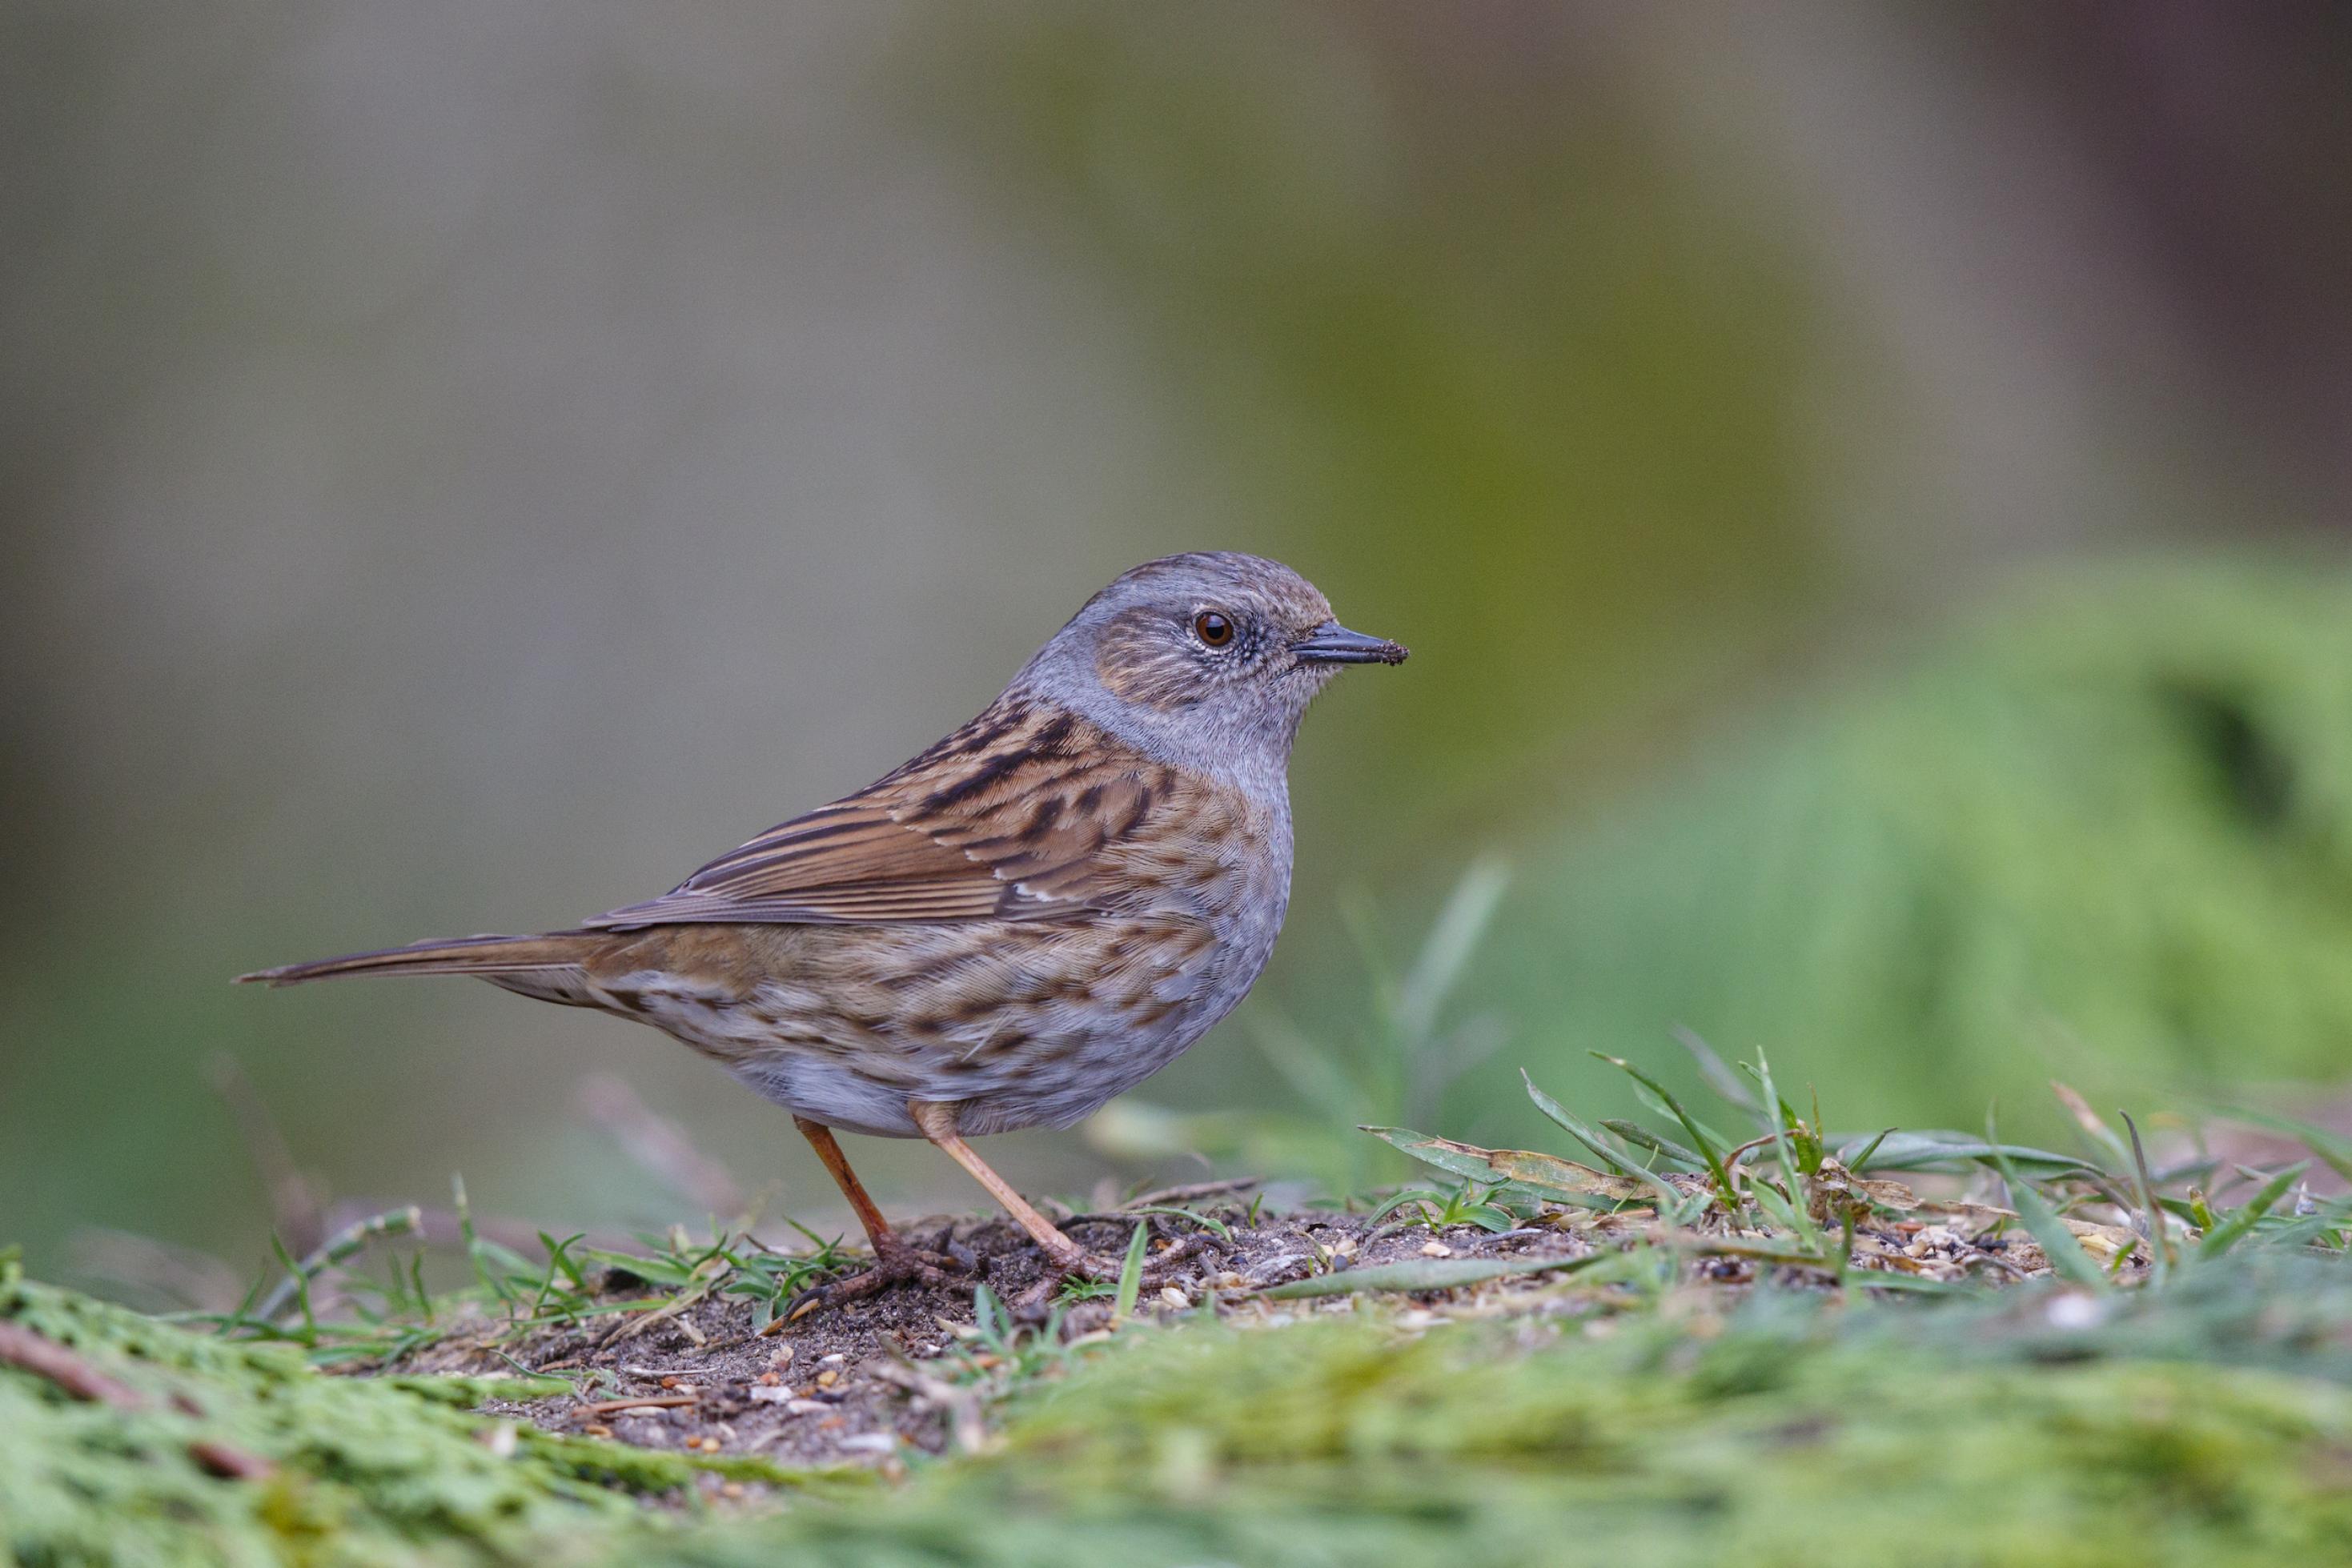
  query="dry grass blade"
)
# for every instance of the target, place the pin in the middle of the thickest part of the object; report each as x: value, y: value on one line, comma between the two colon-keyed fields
x: 1576, y: 1127
x: 1547, y: 1175
x: 1418, y: 1275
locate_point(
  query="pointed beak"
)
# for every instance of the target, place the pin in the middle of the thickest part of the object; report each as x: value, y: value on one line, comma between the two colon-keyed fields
x: 1332, y: 644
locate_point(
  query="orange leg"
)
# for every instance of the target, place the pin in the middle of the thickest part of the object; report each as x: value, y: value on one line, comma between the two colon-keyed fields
x: 938, y: 1123
x: 894, y: 1260
x: 828, y: 1149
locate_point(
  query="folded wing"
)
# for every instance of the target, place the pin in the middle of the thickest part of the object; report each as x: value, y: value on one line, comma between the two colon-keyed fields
x: 1007, y: 819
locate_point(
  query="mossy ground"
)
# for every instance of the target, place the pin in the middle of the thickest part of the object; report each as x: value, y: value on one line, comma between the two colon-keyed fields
x: 1791, y: 1430
x: 2207, y: 1423
x: 1774, y: 1349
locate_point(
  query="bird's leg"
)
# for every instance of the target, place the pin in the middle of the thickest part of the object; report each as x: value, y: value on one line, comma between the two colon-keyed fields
x: 894, y: 1260
x: 836, y: 1165
x: 937, y: 1122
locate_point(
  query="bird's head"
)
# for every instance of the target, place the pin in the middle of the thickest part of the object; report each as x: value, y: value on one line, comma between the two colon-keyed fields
x: 1207, y: 660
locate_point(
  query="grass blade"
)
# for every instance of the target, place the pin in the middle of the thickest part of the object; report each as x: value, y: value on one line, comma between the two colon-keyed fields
x: 2067, y: 1258
x: 1561, y: 1181
x: 1801, y: 1221
x: 1641, y: 1137
x: 1576, y: 1127
x: 1860, y: 1162
x: 2240, y: 1221
x: 1446, y: 950
x: 2089, y: 1120
x: 1130, y: 1273
x: 1419, y: 1274
x: 1901, y: 1151
x: 2333, y: 1149
x: 1206, y: 1222
x: 2159, y: 1235
x: 1718, y: 1072
x: 1705, y: 1145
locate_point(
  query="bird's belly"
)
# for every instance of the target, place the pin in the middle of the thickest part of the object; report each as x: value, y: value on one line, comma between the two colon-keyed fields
x: 1022, y: 1024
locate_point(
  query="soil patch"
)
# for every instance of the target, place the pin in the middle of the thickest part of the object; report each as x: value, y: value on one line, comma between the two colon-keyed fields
x: 861, y: 1383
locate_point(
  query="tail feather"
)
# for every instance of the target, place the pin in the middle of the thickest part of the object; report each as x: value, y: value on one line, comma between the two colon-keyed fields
x: 456, y: 956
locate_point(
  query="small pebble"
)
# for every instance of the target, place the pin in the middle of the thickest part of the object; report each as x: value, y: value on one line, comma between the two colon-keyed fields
x: 2074, y: 1311
x: 1174, y: 1297
x: 783, y: 1356
x: 827, y: 1378
x: 597, y: 1429
x: 1436, y: 1250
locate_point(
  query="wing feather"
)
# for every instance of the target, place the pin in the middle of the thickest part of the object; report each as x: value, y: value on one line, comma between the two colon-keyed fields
x: 1007, y: 819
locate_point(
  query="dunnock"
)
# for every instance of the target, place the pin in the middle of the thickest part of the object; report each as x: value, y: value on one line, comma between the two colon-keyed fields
x: 1036, y: 914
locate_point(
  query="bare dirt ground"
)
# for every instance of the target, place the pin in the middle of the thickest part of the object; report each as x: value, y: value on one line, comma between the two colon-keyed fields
x: 864, y: 1382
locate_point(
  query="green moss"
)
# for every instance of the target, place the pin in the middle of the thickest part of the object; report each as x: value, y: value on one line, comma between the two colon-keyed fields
x: 361, y: 1473
x: 2210, y: 1423
x: 1791, y: 1434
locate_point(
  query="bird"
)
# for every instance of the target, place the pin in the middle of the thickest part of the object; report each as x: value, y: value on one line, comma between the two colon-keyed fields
x: 1037, y: 913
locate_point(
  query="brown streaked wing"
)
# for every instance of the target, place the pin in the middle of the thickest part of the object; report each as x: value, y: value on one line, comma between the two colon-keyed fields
x: 1005, y: 819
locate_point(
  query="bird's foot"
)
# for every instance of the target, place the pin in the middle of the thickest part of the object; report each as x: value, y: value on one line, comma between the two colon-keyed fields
x: 944, y: 1263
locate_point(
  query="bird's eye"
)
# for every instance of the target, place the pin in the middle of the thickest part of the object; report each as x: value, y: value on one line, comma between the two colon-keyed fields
x: 1213, y: 629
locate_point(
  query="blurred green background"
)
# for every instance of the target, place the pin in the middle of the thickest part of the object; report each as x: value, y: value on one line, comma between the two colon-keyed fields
x: 1866, y: 487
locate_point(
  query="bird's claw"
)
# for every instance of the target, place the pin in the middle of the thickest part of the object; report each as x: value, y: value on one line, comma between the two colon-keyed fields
x: 895, y: 1263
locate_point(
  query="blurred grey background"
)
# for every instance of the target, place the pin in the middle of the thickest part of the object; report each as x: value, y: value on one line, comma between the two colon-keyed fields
x: 465, y: 465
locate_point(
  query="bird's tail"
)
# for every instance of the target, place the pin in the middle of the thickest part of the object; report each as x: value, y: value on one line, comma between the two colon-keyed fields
x: 456, y: 956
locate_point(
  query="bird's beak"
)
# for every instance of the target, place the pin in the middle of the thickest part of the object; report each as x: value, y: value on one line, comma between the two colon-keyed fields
x: 1332, y: 644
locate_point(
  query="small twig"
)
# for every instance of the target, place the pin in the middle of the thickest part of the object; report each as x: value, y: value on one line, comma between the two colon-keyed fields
x: 630, y: 1327
x: 21, y: 1347
x: 648, y: 1402
x: 345, y: 1244
x: 233, y: 1464
x: 1750, y: 1146
x: 1190, y: 1190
